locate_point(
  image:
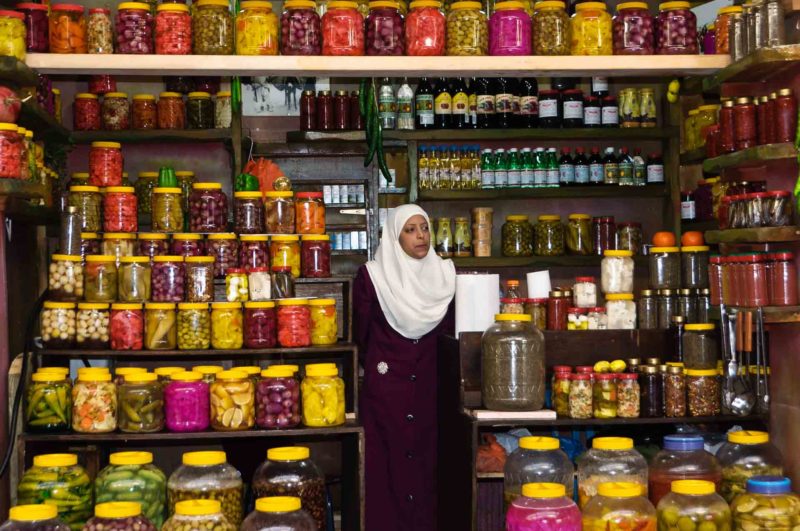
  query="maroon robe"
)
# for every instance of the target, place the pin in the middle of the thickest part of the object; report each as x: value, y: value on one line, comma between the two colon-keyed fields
x: 398, y: 411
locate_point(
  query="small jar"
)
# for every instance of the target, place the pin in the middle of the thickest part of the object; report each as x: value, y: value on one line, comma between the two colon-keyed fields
x: 227, y: 327
x: 674, y: 392
x: 160, y: 327
x: 324, y: 322
x: 260, y: 326
x: 651, y: 384
x: 141, y: 404
x: 115, y: 112
x: 36, y: 26
x: 467, y: 29
x: 58, y: 325
x: 294, y: 323
x: 86, y: 112
x: 199, y: 278
x: 173, y: 34
x: 186, y: 403
x: 256, y: 29
x: 572, y: 108
x: 208, y: 208
x: 580, y: 396
x: 253, y: 250
x: 703, y: 396
x: 67, y: 29
x: 187, y: 244
x: 676, y: 29
x: 100, y: 279
x: 577, y: 319
x: 134, y: 26
x: 235, y: 411
x: 665, y: 268
x: 667, y: 308
x: 557, y: 307
x: 551, y: 29
x: 282, y: 282
x: 310, y: 213
x: 604, y: 396
x: 425, y: 29
x: 591, y: 30
x: 694, y: 266
x: 384, y: 29
x: 315, y: 256
x: 212, y: 28
x: 549, y: 236
x: 284, y: 250
x: 194, y: 326
x: 700, y: 348
x: 224, y: 247
x: 621, y: 311
x: 537, y: 309
x: 134, y: 279
x: 259, y: 283
x: 171, y: 109
x: 280, y: 212
x: 517, y: 236
x: 597, y: 318
x: 223, y: 113
x: 90, y: 244
x: 510, y: 29
x: 236, y: 286
x: 627, y: 395
x: 278, y: 398
x: 342, y: 29
x: 94, y: 404
x: 578, y: 235
x: 248, y: 212
x: 323, y: 396
x: 199, y: 111
x: 167, y: 211
x: 604, y: 234
x: 616, y: 272
x: 629, y: 237
x: 144, y: 186
x: 105, y: 163
x: 301, y: 32
x: 91, y: 327
x: 634, y: 29
x: 152, y: 244
x: 584, y: 292
x: 647, y: 314
x: 168, y: 279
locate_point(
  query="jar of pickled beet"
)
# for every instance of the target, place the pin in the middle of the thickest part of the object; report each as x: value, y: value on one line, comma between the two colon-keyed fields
x: 144, y: 114
x: 315, y: 256
x: 11, y: 152
x: 256, y: 29
x: 134, y: 28
x: 253, y: 250
x: 510, y: 29
x: 259, y: 324
x: 324, y: 327
x: 127, y: 326
x: 280, y: 212
x: 173, y: 29
x: 171, y: 109
x: 310, y: 213
x: 467, y: 29
x: 248, y: 212
x: 208, y: 208
x: 167, y: 279
x: 384, y: 29
x: 36, y: 26
x: 634, y: 29
x: 212, y: 28
x: 116, y: 111
x: 425, y: 28
x: 224, y: 247
x: 187, y: 244
x: 199, y: 111
x: 591, y: 30
x: 294, y: 323
x: 342, y: 29
x: 676, y: 29
x: 284, y: 250
x: 86, y: 112
x: 67, y: 29
x: 119, y: 209
x: 301, y: 31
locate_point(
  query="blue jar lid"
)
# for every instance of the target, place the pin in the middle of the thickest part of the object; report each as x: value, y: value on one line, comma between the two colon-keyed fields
x: 769, y: 485
x: 683, y: 442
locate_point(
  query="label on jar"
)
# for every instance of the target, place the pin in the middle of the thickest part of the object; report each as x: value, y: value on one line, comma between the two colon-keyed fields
x: 611, y: 115
x: 573, y: 110
x: 473, y: 109
x: 687, y: 210
x: 460, y: 103
x: 443, y: 104
x: 526, y: 177
x: 424, y: 107
x: 596, y: 173
x: 548, y: 109
x: 539, y: 177
x: 591, y: 116
x: 655, y: 173
x: 529, y: 105
x: 566, y: 173
x: 485, y: 104
x: 581, y: 173
x: 514, y: 177
x: 504, y: 103
x: 500, y: 178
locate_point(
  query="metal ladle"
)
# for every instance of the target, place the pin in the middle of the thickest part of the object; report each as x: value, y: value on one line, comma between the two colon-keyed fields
x: 743, y: 397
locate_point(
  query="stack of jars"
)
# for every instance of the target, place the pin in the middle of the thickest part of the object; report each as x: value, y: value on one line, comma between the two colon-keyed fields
x: 751, y: 280
x: 586, y: 394
x: 754, y: 210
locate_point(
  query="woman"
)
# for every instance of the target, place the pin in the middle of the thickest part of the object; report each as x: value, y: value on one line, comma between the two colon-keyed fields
x: 402, y: 303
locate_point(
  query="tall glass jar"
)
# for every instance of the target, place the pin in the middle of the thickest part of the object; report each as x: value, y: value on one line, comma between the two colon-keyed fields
x: 703, y: 397
x: 767, y: 498
x: 152, y: 244
x: 100, y: 278
x: 616, y: 272
x: 384, y: 29
x: 665, y: 268
x: 119, y: 244
x: 208, y: 208
x: 591, y: 30
x: 301, y: 31
x: 674, y: 392
x: 256, y: 29
x: 127, y: 326
x: 551, y: 28
x: 694, y: 266
x: 549, y: 236
x: 682, y: 457
x: 323, y: 398
x: 88, y: 201
x: 342, y: 29
x: 187, y: 244
x: 207, y: 476
x: 134, y: 28
x: 212, y: 28
x: 510, y: 29
x: 86, y: 112
x: 36, y: 26
x: 651, y: 383
x: 315, y: 256
x: 324, y: 322
x: 173, y: 29
x: 676, y: 29
x: 536, y: 460
x: 199, y: 278
x: 58, y: 325
x: 61, y: 475
x: 425, y: 28
x: 168, y: 282
x: 94, y: 403
x: 611, y: 459
x: 467, y: 29
x: 578, y: 234
x: 160, y: 328
x: 133, y: 279
x: 634, y: 29
x: 186, y: 402
x: 544, y: 504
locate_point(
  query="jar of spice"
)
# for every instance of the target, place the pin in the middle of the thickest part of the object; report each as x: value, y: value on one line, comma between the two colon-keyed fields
x: 647, y: 310
x: 703, y: 392
x: 665, y: 268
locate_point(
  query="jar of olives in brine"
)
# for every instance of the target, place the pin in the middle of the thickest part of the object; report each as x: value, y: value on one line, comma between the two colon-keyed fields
x: 467, y: 29
x: 549, y: 236
x: 579, y: 234
x: 551, y: 29
x: 207, y: 476
x: 212, y: 29
x: 198, y: 514
x: 517, y: 236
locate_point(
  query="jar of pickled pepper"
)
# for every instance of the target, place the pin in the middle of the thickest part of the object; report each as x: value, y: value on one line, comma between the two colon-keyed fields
x: 173, y: 33
x: 212, y: 28
x: 342, y: 29
x: 467, y: 29
x: 86, y: 112
x: 160, y: 330
x: 324, y: 328
x: 171, y: 109
x: 67, y: 29
x: 105, y: 164
x: 284, y: 250
x: 591, y: 30
x: 12, y: 34
x: 323, y: 398
x: 256, y: 29
x: 425, y: 28
x: 167, y: 211
x: 301, y: 31
x: 144, y: 114
x: 36, y: 26
x: 227, y: 326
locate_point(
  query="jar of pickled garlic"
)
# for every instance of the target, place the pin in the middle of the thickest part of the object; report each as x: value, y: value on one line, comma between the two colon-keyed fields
x: 65, y: 278
x: 248, y: 212
x: 134, y: 28
x: 467, y: 29
x: 212, y: 28
x: 199, y: 278
x: 12, y: 34
x: 260, y: 324
x: 676, y: 29
x: 384, y: 29
x: 115, y: 111
x: 58, y: 325
x: 100, y: 278
x: 167, y: 211
x: 91, y: 329
x: 227, y: 330
x: 425, y: 28
x: 194, y: 326
x: 118, y: 244
x: 67, y: 29
x: 173, y: 33
x: 315, y: 256
x: 225, y: 249
x: 152, y: 244
x: 233, y: 401
x: 591, y: 30
x: 160, y: 330
x: 105, y: 163
x: 86, y: 112
x: 284, y: 250
x: 208, y: 208
x: 634, y: 29
x: 256, y: 29
x: 134, y: 279
x: 324, y: 327
x: 94, y: 403
x: 551, y: 28
x: 236, y: 286
x: 301, y: 31
x: 199, y: 111
x: 171, y: 109
x: 294, y: 323
x: 119, y: 209
x: 619, y: 505
x: 144, y: 114
x: 510, y: 29
x: 323, y: 396
x: 342, y: 29
x: 222, y: 110
x: 280, y: 212
x: 310, y: 213
x: 253, y: 250
x: 36, y: 26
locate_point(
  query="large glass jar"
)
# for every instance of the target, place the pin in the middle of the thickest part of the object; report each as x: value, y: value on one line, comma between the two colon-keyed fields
x: 703, y: 396
x: 294, y: 323
x: 207, y: 476
x: 186, y: 402
x: 590, y: 30
x: 683, y: 457
x: 171, y: 110
x: 260, y: 324
x: 34, y: 517
x: 58, y: 476
x: 543, y: 506
x: 425, y: 28
x: 277, y: 399
x: 160, y: 330
x: 744, y: 455
x: 256, y: 29
x: 48, y: 403
x: 693, y: 503
x: 86, y: 112
x: 280, y: 212
x: 127, y: 326
x: 194, y: 326
x: 616, y: 272
x: 65, y: 278
x: 132, y: 477
x: 284, y: 251
x: 227, y: 327
x: 342, y: 29
x: 467, y: 29
x: 94, y: 403
x: 315, y: 256
x: 549, y: 236
x: 224, y: 247
x: 167, y: 209
x: 551, y: 29
x: 513, y: 364
x: 280, y: 512
x: 199, y: 278
x: 67, y: 29
x: 134, y: 26
x: 768, y: 499
x: 168, y: 282
x: 609, y: 459
x: 301, y: 32
x: 517, y: 236
x: 208, y: 208
x: 198, y: 514
x: 248, y: 212
x: 232, y: 401
x: 310, y: 213
x: 578, y: 235
x: 212, y: 29
x: 694, y: 266
x: 36, y: 26
x: 384, y: 29
x: 100, y: 279
x: 537, y: 460
x: 173, y: 34
x: 620, y: 505
x: 665, y: 268
x: 141, y: 404
x: 510, y: 29
x: 253, y: 250
x: 324, y: 322
x: 323, y: 402
x: 289, y: 471
x: 676, y: 29
x: 88, y: 201
x: 634, y: 29
x: 116, y: 115
x: 12, y: 33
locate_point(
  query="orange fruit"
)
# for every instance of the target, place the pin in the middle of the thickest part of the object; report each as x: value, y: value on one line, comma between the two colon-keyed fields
x: 664, y: 239
x: 692, y: 238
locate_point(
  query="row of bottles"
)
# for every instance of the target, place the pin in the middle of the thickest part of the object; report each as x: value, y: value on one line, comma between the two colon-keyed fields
x: 449, y: 167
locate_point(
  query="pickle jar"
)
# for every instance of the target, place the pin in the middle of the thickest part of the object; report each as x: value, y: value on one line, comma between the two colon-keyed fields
x: 212, y: 28
x: 173, y: 30
x: 164, y: 373
x: 127, y: 326
x: 309, y: 213
x: 12, y: 29
x: 676, y: 29
x: 694, y: 266
x: 425, y: 29
x: 199, y: 111
x: 703, y: 396
x: 167, y: 278
x: 54, y: 475
x: 194, y: 326
x: 323, y: 402
x: 256, y: 29
x: 280, y: 212
x: 186, y: 402
x: 536, y: 460
x: 94, y: 403
x: 187, y: 244
x: 135, y: 28
x: 282, y: 282
x: 152, y: 244
x: 227, y: 327
x: 199, y: 278
x: 307, y: 38
x: 88, y: 201
x: 767, y: 498
x: 579, y: 234
x: 259, y: 283
x: 294, y: 323
x: 48, y: 402
x: 58, y: 325
x: 67, y: 29
x: 324, y: 322
x: 590, y: 29
x: 65, y: 278
x: 236, y: 285
x: 342, y: 29
x: 222, y: 110
x: 141, y: 404
x: 143, y: 188
x: 604, y: 396
x: 616, y: 272
x: 510, y: 29
x: 517, y: 236
x: 119, y: 209
x: 694, y: 502
x: 208, y: 208
x: 629, y: 237
x: 580, y: 396
x: 119, y: 244
x: 315, y: 256
x: 274, y: 512
x: 34, y: 516
x: 144, y: 113
x: 171, y: 110
x: 167, y: 209
x: 133, y: 279
x: 248, y: 212
x: 619, y: 505
x: 254, y: 250
x: 549, y: 236
x: 746, y: 454
x: 467, y: 29
x: 186, y: 180
x: 116, y: 116
x: 198, y: 514
x: 90, y: 244
x: 36, y: 26
x: 384, y: 29
x: 284, y: 250
x: 85, y: 111
x: 100, y: 278
x: 233, y: 400
x: 611, y: 459
x: 224, y: 247
x: 551, y: 28
x: 146, y: 484
x: 259, y: 325
x: 683, y: 457
x: 160, y: 327
x: 206, y: 478
x: 634, y: 29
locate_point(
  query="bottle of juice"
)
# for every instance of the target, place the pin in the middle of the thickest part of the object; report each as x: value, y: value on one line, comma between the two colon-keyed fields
x: 434, y: 167
x: 444, y: 168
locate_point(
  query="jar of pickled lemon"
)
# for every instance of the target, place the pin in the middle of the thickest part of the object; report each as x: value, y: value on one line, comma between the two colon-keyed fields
x: 256, y: 29
x: 324, y: 329
x: 323, y: 396
x: 591, y: 30
x: 233, y: 401
x: 227, y: 330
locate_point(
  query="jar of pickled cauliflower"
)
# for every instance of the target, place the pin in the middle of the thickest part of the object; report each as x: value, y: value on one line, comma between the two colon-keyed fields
x: 634, y: 29
x: 467, y: 29
x: 676, y: 29
x: 342, y: 29
x: 212, y: 28
x: 591, y: 30
x: 173, y: 29
x: 425, y: 28
x: 551, y: 28
x: 510, y: 29
x: 301, y: 28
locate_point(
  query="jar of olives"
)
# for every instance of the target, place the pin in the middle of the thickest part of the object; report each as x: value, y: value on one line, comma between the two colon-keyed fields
x: 198, y: 514
x: 224, y: 247
x: 517, y: 236
x: 168, y: 282
x: 100, y: 278
x: 144, y: 190
x: 676, y: 29
x: 693, y: 504
x: 549, y: 236
x: 88, y: 201
x: 212, y: 30
x: 591, y: 30
x: 152, y: 244
x: 167, y: 209
x: 248, y: 212
x: 34, y: 516
x: 253, y: 250
x: 551, y: 29
x: 194, y: 326
x: 467, y: 29
x: 208, y: 476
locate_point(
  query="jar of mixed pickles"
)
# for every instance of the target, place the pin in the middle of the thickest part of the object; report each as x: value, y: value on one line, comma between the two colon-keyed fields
x: 141, y: 404
x: 248, y: 212
x: 604, y: 396
x: 665, y: 268
x: 549, y: 236
x: 324, y: 322
x: 85, y: 111
x: 119, y: 244
x: 746, y: 454
x: 133, y: 279
x: 629, y: 237
x: 212, y: 28
x: 580, y: 396
x: 517, y: 236
x: 342, y: 29
x: 768, y: 498
x: 294, y: 323
x: 194, y: 326
x: 160, y: 330
x: 280, y: 212
x: 284, y: 250
x: 551, y: 28
x: 467, y: 29
x: 67, y: 29
x: 578, y: 234
x: 168, y: 282
x: 236, y: 285
x: 167, y: 211
x: 94, y: 403
x: 253, y: 250
x: 100, y: 278
x: 205, y: 478
x: 323, y: 400
x: 208, y: 208
x: 224, y: 247
x: 628, y: 395
x: 590, y: 29
x: 676, y: 29
x: 173, y: 33
x: 227, y: 327
x: 199, y: 278
x: 171, y: 109
x: 301, y: 31
x: 256, y: 29
x: 259, y: 324
x: 88, y: 201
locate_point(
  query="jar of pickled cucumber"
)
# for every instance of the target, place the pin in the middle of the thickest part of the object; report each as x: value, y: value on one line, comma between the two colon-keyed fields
x: 227, y: 326
x: 119, y: 244
x: 88, y: 201
x: 323, y: 396
x: 94, y: 403
x: 160, y: 330
x: 549, y: 236
x: 167, y: 210
x: 619, y: 505
x: 590, y: 29
x: 198, y: 514
x: 127, y: 326
x: 143, y: 187
x: 199, y: 278
x: 579, y: 234
x: 232, y: 401
x: 256, y: 29
x: 194, y: 326
x: 324, y: 329
x: 744, y: 455
x: 467, y: 29
x: 141, y: 404
x: 284, y: 251
x: 517, y: 236
x: 611, y: 459
x: 236, y: 285
x: 768, y: 500
x: 48, y: 403
x: 132, y: 477
x: 692, y: 505
x: 212, y: 28
x: 58, y: 477
x: 206, y: 476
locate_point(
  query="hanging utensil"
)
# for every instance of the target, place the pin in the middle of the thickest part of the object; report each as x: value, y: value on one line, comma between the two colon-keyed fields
x: 728, y: 354
x: 761, y: 344
x: 743, y: 400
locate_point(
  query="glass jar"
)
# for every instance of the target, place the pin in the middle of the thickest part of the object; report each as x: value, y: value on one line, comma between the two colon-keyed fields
x: 284, y: 250
x: 536, y: 460
x: 604, y: 234
x: 232, y: 399
x: 634, y: 29
x: 342, y: 29
x: 557, y: 309
x: 597, y: 318
x: 676, y: 29
x: 578, y: 235
x: 517, y: 236
x: 65, y: 278
x: 619, y: 505
x: 144, y: 484
x: 674, y: 392
x: 194, y: 326
x: 280, y: 212
x: 167, y: 211
x: 577, y: 319
x: 225, y: 249
x: 324, y: 322
x: 621, y: 311
x: 744, y: 124
x: 12, y: 34
x: 227, y: 327
x: 134, y: 279
x: 168, y: 282
x: 722, y: 27
x: 629, y: 237
x: 611, y: 459
x: 510, y: 29
x: 48, y: 402
x: 310, y: 213
x: 187, y: 244
x: 551, y: 29
x: 11, y: 151
x: 700, y: 350
x: 86, y: 112
x: 58, y: 325
x: 209, y: 372
x: 199, y: 278
x: 259, y: 325
x: 173, y: 29
x: 57, y: 475
x: 604, y: 396
x: 744, y: 455
x: 384, y: 29
x: 322, y: 389
x: 207, y: 476
x: 549, y: 236
x: 141, y: 404
x: 118, y: 244
x: 256, y: 29
x: 144, y: 114
x: 100, y: 279
x: 253, y: 250
x: 88, y: 201
x: 665, y: 268
x: 160, y: 330
x: 647, y: 314
x: 208, y: 208
x: 590, y: 30
x: 682, y: 458
x: 198, y: 514
x: 212, y: 29
x: 279, y: 512
x: 34, y: 517
x: 171, y: 109
x: 143, y: 187
x: 559, y: 391
x: 425, y: 29
x: 315, y: 256
x: 467, y: 29
x: 703, y: 392
x: 199, y: 111
x: 511, y: 305
x: 186, y: 402
x: 687, y: 305
x: 767, y: 498
x: 222, y: 110
x: 694, y: 266
x: 537, y: 309
x: 513, y: 364
x: 248, y: 212
x: 580, y: 396
x: 152, y: 244
x: 119, y: 209
x: 651, y: 384
x: 305, y: 37
x: 115, y: 114
x: 94, y: 404
x: 616, y: 272
x: 67, y: 29
x: 36, y: 26
x: 627, y: 395
x: 544, y: 504
x: 236, y: 285
x: 90, y: 244
x: 134, y: 28
x: 127, y: 326
x: 294, y: 323
x: 694, y: 503
x: 91, y: 328
x: 667, y: 308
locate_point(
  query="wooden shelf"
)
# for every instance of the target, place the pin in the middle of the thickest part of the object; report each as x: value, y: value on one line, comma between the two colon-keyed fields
x: 23, y: 189
x: 349, y: 252
x: 34, y: 117
x: 751, y: 157
x: 153, y: 135
x: 760, y: 235
x: 16, y: 73
x: 597, y: 191
x: 535, y: 261
x: 321, y: 66
x: 760, y: 66
x: 288, y: 353
x: 701, y: 226
x: 695, y: 156
x: 719, y: 419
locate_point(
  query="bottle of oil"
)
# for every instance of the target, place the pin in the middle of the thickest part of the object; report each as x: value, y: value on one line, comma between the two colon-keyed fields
x: 434, y: 167
x: 423, y: 169
x: 466, y: 167
x: 455, y: 168
x: 444, y: 171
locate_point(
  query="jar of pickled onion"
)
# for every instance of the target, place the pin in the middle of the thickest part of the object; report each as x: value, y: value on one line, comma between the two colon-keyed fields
x: 173, y: 29
x: 134, y: 27
x: 384, y: 29
x: 676, y: 29
x: 342, y: 29
x: 425, y: 28
x: 634, y: 29
x: 224, y: 247
x: 301, y: 31
x: 253, y: 250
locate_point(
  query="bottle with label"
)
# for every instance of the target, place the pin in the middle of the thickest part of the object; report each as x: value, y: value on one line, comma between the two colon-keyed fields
x: 553, y: 173
x: 466, y: 168
x: 405, y: 106
x: 581, y: 166
x: 591, y: 112
x: 599, y: 86
x: 610, y: 167
x: 473, y: 103
x: 455, y: 168
x: 500, y: 169
x: 566, y: 168
x: 423, y: 105
x: 625, y: 167
x: 423, y: 169
x: 387, y: 105
x: 526, y: 179
x: 443, y: 105
x: 485, y: 113
x: 688, y: 211
x: 487, y: 169
x: 504, y: 103
x: 528, y: 103
x: 444, y: 168
x: 461, y: 115
x: 655, y: 169
x: 595, y: 167
x: 514, y: 168
x: 639, y: 168
x: 610, y: 112
x: 539, y: 168
x: 572, y: 108
x: 477, y: 178
x: 434, y: 167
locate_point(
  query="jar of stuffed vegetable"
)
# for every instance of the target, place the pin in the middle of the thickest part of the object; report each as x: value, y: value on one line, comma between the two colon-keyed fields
x: 94, y: 403
x: 54, y: 477
x: 141, y: 404
x: 206, y: 477
x: 160, y: 330
x: 88, y: 201
x: 280, y: 212
x: 551, y: 28
x: 301, y: 32
x: 212, y: 28
x: 194, y: 326
x: 579, y: 234
x: 167, y: 211
x: 144, y: 483
x: 517, y: 236
x: 746, y: 454
x: 591, y: 30
x: 323, y: 401
x: 198, y: 514
x: 199, y: 111
x: 467, y: 29
x: 225, y: 249
x: 256, y: 29
x: 284, y: 250
x: 324, y: 322
x: 48, y: 403
x: 315, y: 256
x: 253, y: 250
x: 549, y: 236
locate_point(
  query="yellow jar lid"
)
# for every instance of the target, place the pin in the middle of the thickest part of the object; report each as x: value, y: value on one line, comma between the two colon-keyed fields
x: 249, y: 370
x: 62, y: 370
x: 517, y: 217
x: 80, y: 175
x: 425, y: 3
x: 709, y: 107
x: 206, y: 186
x: 133, y: 5
x: 544, y: 490
x: 695, y: 249
x: 198, y: 507
x: 315, y: 238
x: 144, y: 97
x: 600, y: 6
x: 729, y: 9
x: 226, y: 93
x: 192, y: 306
x: 579, y: 216
x: 694, y: 112
x: 186, y: 376
x: 619, y: 297
x: 283, y: 193
x: 342, y: 4
x: 33, y: 512
x: 168, y: 258
x: 278, y: 504
x: 59, y: 305
x: 699, y: 327
x: 255, y: 4
x: 142, y: 377
x: 292, y: 302
x: 221, y: 3
x: 66, y: 257
x: 512, y: 317
x: 631, y: 5
x: 134, y: 259
x: 247, y: 195
x: 119, y: 189
x: 124, y: 371
x: 166, y: 190
x: 285, y: 238
x: 204, y: 458
x: 322, y: 302
x: 47, y: 376
x: 253, y: 237
x: 130, y: 458
x: 222, y: 236
x: 100, y: 258
x: 232, y: 374
x: 277, y: 371
x: 184, y: 173
x: 546, y: 4
x: 619, y: 489
x: 126, y: 306
x: 93, y: 306
x: 85, y: 96
x: 87, y: 370
x: 150, y: 174
x: 185, y: 236
x: 8, y: 127
x: 119, y: 236
x: 288, y: 453
x: 200, y: 95
x: 172, y: 7
x: 259, y: 304
x: 226, y: 305
x: 208, y: 369
x: 539, y: 443
x: 168, y: 94
x: 549, y: 217
x: 616, y: 253
x: 290, y: 4
x: 612, y: 443
x: 168, y: 371
x: 509, y: 4
x: 673, y: 5
x: 84, y: 188
x: 199, y: 259
x: 321, y: 369
x: 294, y: 368
x: 693, y: 487
x: 465, y: 5
x: 159, y: 306
x: 701, y: 372
x: 108, y: 145
x: 664, y: 250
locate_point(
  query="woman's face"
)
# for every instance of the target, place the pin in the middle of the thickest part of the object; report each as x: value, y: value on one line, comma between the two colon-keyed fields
x: 415, y: 238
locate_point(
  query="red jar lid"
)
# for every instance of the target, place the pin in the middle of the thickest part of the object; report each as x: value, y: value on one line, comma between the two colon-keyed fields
x: 551, y: 93
x: 727, y: 199
x: 584, y: 279
x: 308, y: 195
x: 628, y: 376
x: 780, y: 193
x: 536, y: 301
x: 610, y: 99
x: 597, y: 309
x: 573, y: 91
x: 759, y: 195
x: 715, y: 259
x: 256, y: 270
x: 604, y: 376
x: 577, y: 311
x: 234, y: 270
x: 511, y: 301
x: 32, y: 6
x: 12, y: 14
x: 102, y: 10
x: 562, y: 368
x: 782, y: 255
x: 592, y: 99
x: 67, y: 7
x: 281, y: 269
x: 580, y: 376
x: 584, y: 369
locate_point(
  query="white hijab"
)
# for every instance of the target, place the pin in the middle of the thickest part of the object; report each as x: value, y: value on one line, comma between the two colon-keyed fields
x: 414, y: 293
